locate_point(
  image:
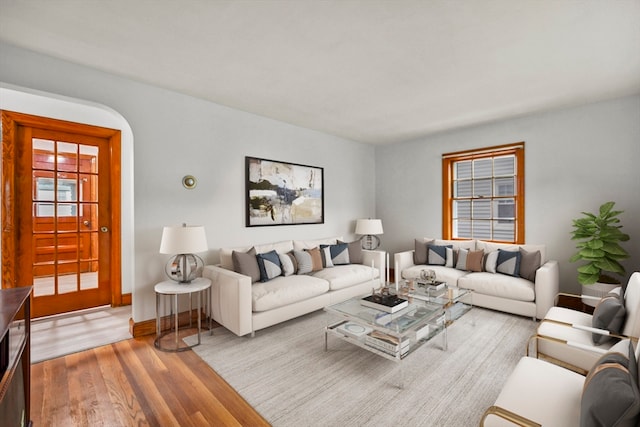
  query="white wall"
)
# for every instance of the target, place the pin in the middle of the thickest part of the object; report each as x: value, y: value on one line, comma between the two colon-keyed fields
x: 176, y: 135
x: 575, y: 160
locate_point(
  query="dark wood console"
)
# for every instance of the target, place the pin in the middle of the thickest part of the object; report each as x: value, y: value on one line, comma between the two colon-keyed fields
x: 15, y: 356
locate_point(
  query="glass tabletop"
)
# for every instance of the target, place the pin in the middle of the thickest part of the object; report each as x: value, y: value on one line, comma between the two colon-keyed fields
x: 418, y: 312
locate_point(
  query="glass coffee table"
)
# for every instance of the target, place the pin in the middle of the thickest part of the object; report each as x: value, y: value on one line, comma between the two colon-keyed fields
x: 395, y: 336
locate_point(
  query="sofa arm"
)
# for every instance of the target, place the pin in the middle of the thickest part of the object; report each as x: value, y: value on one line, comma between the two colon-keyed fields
x: 378, y: 260
x: 402, y: 260
x: 231, y: 304
x: 507, y: 415
x: 547, y: 286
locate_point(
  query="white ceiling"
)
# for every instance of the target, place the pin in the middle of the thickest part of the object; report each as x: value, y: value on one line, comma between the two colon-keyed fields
x: 376, y: 71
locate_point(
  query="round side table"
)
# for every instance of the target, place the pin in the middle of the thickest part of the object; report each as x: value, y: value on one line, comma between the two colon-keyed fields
x: 173, y: 290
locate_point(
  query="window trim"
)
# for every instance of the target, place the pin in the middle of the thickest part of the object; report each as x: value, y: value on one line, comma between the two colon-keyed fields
x: 448, y: 160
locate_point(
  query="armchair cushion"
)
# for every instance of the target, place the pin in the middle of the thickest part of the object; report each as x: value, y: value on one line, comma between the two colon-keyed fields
x: 610, y: 395
x: 609, y: 314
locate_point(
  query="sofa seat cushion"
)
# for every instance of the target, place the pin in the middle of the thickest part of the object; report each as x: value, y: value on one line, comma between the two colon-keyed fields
x: 542, y: 392
x: 499, y: 285
x: 443, y: 274
x: 343, y: 276
x: 283, y: 291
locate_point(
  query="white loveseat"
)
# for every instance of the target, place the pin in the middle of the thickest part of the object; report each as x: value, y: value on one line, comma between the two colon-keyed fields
x: 245, y: 306
x: 492, y: 290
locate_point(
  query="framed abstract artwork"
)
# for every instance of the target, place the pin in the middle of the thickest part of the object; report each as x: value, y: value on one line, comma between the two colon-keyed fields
x: 281, y: 193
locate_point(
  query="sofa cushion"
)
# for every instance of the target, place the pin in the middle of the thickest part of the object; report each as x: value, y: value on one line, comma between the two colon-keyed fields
x: 283, y: 291
x: 508, y: 262
x: 420, y: 251
x: 443, y: 274
x: 269, y: 265
x: 246, y: 263
x: 492, y: 246
x: 469, y: 260
x: 457, y: 244
x: 303, y: 259
x: 300, y: 245
x: 499, y: 285
x: 529, y: 264
x: 610, y: 396
x: 355, y: 251
x: 226, y: 260
x: 436, y: 254
x: 339, y: 254
x: 343, y: 276
x: 316, y: 259
x: 490, y: 262
x: 327, y: 262
x: 287, y: 262
x: 609, y: 314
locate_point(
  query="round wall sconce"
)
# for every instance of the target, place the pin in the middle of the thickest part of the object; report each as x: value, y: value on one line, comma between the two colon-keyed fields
x: 189, y: 182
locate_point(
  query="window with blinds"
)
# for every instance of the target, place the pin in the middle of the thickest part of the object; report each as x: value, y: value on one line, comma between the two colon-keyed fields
x: 483, y: 194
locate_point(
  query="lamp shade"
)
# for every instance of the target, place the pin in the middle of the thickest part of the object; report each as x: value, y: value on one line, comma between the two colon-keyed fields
x: 183, y: 240
x: 368, y: 226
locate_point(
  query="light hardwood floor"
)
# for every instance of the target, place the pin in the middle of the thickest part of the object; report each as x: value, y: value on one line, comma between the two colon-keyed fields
x: 131, y: 383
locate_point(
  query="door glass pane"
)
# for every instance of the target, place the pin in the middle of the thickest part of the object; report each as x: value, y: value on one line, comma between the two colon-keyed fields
x: 68, y: 281
x: 89, y: 217
x: 67, y: 158
x: 88, y: 188
x: 43, y: 154
x: 88, y: 158
x: 43, y: 280
x: 89, y: 280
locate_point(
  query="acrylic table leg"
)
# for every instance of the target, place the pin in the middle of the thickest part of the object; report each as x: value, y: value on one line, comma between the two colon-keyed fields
x: 175, y: 300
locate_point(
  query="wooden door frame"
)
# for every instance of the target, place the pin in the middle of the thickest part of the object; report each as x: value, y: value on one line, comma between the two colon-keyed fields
x: 11, y: 122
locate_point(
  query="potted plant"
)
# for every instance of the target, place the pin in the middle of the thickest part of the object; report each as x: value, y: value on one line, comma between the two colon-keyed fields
x: 599, y: 239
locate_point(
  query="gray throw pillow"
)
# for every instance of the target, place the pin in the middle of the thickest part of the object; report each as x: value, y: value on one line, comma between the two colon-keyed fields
x: 303, y: 259
x: 610, y: 396
x: 246, y: 264
x: 609, y: 314
x: 355, y: 252
x: 420, y: 251
x: 529, y: 264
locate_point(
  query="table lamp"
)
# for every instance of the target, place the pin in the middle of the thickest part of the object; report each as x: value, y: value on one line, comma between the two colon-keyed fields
x: 368, y: 228
x: 184, y: 241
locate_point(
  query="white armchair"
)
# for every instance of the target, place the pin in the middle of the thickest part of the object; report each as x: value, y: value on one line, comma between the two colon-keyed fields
x: 539, y: 393
x: 564, y: 336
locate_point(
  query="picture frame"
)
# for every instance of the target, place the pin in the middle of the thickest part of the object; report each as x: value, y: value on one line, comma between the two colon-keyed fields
x: 283, y: 193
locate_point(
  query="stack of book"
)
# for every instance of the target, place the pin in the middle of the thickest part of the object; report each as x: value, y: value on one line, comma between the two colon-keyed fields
x: 388, y: 303
x: 387, y: 343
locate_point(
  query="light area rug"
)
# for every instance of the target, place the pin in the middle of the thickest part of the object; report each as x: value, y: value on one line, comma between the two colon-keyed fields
x: 287, y: 376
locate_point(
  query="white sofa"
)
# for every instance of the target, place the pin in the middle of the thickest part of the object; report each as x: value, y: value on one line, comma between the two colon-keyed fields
x: 244, y: 307
x: 491, y: 290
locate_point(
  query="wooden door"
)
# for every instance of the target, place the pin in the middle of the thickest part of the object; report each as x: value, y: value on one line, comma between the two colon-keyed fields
x: 61, y: 216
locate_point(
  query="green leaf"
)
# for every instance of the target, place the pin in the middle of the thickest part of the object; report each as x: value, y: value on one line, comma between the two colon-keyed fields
x: 588, y: 279
x: 606, y: 208
x: 610, y: 265
x: 595, y: 244
x: 615, y: 249
x: 589, y: 269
